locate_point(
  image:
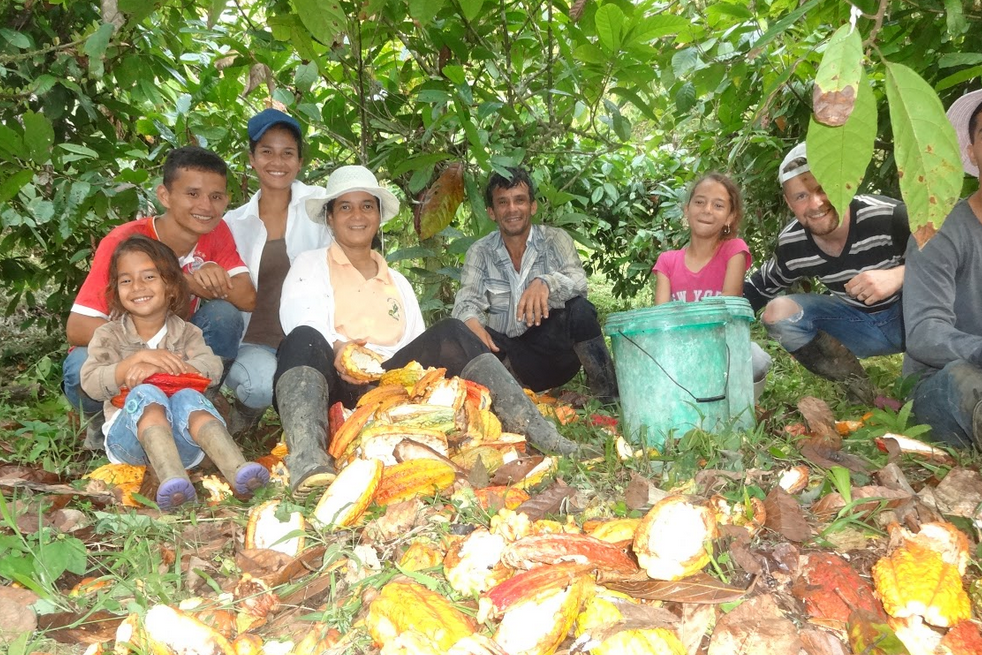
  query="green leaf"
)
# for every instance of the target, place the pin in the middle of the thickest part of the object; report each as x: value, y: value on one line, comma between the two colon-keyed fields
x: 38, y: 137
x: 838, y: 156
x: 137, y: 9
x: 837, y: 80
x: 324, y: 19
x: 609, y: 20
x: 215, y: 11
x: 926, y: 151
x: 63, y: 554
x: 590, y: 53
x: 95, y: 45
x: 955, y: 16
x: 685, y: 97
x: 15, y: 39
x: 636, y: 100
x: 79, y: 150
x: 471, y: 8
x: 425, y: 10
x: 780, y: 26
x: 454, y: 73
x: 11, y: 143
x: 13, y: 184
x: 419, y: 162
x: 305, y: 76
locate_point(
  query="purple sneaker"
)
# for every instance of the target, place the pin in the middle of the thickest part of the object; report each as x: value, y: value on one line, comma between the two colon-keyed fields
x: 250, y: 477
x: 175, y: 492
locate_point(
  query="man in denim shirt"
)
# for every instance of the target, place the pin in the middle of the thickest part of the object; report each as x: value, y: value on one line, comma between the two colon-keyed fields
x: 523, y: 293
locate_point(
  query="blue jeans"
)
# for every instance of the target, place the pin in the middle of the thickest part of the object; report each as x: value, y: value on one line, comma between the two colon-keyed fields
x: 220, y: 323
x: 121, y: 441
x: 947, y: 400
x: 865, y: 334
x: 251, y: 375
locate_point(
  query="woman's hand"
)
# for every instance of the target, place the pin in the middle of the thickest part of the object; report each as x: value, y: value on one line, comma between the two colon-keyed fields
x: 339, y: 347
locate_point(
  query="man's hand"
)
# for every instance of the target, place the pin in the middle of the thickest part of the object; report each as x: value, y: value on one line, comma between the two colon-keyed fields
x: 210, y: 282
x: 339, y: 353
x: 533, y: 306
x: 482, y: 334
x: 870, y: 287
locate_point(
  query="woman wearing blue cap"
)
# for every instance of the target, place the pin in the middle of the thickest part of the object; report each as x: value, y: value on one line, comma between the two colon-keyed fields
x: 270, y: 231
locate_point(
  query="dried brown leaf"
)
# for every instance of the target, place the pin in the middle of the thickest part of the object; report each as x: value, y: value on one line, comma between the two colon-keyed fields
x: 399, y: 518
x: 892, y: 476
x: 16, y: 614
x: 785, y: 516
x: 820, y: 642
x: 637, y: 491
x: 91, y: 628
x: 697, y: 622
x: 819, y: 419
x: 549, y: 501
x: 698, y: 588
x: 833, y: 107
x: 440, y: 202
x: 756, y: 627
x: 960, y: 493
x: 514, y: 471
x: 478, y: 476
x: 824, y: 455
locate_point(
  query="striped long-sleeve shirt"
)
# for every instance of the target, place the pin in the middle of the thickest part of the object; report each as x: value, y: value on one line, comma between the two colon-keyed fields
x: 878, y: 235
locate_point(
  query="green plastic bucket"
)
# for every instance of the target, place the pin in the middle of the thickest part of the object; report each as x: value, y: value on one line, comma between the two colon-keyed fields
x: 681, y: 366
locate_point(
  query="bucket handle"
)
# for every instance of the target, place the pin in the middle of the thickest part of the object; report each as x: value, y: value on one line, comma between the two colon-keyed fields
x: 708, y: 399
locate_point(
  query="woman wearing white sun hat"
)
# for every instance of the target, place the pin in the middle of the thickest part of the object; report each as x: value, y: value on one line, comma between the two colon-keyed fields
x: 943, y: 303
x: 347, y: 292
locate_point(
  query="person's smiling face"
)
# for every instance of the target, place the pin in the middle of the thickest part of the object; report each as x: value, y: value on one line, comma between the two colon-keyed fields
x: 355, y: 218
x: 512, y: 209
x: 196, y: 200
x: 276, y: 158
x: 810, y: 205
x: 141, y: 290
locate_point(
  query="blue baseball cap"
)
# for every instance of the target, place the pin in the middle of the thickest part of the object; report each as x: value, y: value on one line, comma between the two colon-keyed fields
x: 266, y: 119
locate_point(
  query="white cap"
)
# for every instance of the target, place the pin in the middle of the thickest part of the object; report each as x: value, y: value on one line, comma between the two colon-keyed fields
x: 352, y: 178
x: 959, y: 114
x: 798, y: 152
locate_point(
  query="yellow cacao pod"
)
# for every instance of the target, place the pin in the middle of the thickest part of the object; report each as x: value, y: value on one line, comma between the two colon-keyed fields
x: 349, y: 495
x: 407, y: 606
x: 413, y: 478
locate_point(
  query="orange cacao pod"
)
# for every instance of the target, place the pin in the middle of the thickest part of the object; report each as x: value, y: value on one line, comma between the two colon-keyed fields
x: 413, y: 478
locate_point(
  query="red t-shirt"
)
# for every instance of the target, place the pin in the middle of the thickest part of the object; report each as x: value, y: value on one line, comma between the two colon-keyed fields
x: 216, y: 246
x: 688, y: 286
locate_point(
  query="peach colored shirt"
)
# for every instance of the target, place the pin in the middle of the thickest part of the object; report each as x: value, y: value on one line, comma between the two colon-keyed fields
x: 365, y: 309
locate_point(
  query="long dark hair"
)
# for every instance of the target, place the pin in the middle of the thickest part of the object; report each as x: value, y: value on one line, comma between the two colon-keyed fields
x: 178, y: 292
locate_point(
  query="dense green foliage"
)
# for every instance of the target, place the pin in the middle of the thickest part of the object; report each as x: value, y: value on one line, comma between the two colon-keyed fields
x: 616, y: 105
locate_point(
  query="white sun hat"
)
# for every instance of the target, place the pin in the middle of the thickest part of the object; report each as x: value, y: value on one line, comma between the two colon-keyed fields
x: 347, y: 179
x: 959, y: 114
x: 798, y: 152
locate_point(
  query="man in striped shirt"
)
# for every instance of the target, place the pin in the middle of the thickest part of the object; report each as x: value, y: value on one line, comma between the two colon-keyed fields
x: 858, y: 257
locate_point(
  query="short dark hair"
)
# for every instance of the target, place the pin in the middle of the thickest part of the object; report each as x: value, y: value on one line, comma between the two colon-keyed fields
x: 498, y: 181
x: 285, y: 127
x: 193, y: 158
x: 973, y: 123
x: 178, y: 291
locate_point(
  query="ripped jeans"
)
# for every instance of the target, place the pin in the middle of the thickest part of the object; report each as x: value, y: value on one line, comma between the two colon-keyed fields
x: 866, y: 334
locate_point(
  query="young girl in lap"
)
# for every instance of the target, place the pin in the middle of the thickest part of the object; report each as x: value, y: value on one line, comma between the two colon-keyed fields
x: 147, y: 296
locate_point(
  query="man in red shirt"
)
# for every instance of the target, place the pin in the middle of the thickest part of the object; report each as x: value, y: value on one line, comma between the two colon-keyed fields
x: 194, y: 197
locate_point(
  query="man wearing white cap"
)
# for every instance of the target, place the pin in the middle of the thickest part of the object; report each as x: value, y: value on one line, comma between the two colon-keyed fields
x: 943, y: 304
x: 858, y: 257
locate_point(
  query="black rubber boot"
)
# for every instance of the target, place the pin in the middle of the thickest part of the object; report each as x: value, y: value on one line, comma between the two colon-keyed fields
x: 515, y: 410
x: 242, y: 418
x: 977, y: 425
x: 825, y: 356
x: 245, y: 477
x: 599, y: 369
x: 175, y: 486
x: 301, y: 397
x: 95, y: 440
